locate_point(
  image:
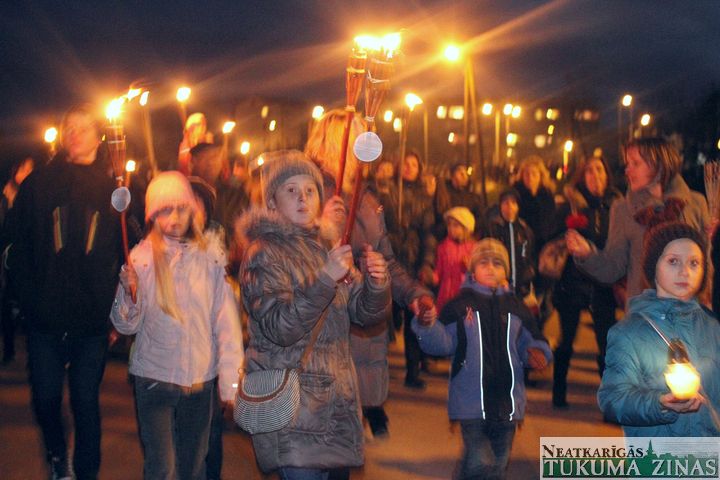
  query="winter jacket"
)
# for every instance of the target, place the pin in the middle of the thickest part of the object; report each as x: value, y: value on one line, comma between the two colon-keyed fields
x: 203, y: 344
x: 67, y: 250
x: 575, y: 283
x: 498, y: 329
x: 636, y: 361
x: 539, y: 213
x: 624, y: 249
x: 519, y: 240
x: 285, y: 292
x: 413, y: 239
x: 451, y: 262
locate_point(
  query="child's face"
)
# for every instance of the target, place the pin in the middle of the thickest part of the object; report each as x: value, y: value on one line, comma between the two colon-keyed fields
x: 679, y: 271
x: 489, y: 272
x: 456, y: 230
x: 298, y: 200
x: 174, y: 220
x: 509, y: 209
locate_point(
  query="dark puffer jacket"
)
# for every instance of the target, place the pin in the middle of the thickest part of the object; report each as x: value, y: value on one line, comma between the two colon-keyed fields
x: 285, y: 293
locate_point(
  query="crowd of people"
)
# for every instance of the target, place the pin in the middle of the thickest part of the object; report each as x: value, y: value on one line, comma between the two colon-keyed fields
x: 234, y: 272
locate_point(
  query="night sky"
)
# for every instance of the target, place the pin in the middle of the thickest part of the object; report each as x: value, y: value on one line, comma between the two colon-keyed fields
x: 55, y: 54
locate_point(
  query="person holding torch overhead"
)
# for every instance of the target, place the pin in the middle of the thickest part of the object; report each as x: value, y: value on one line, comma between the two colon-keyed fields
x: 65, y: 257
x: 661, y: 377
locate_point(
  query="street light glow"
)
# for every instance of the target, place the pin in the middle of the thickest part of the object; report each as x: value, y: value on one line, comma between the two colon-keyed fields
x: 568, y: 146
x: 51, y: 135
x: 507, y: 109
x: 397, y: 125
x: 627, y: 100
x: 144, y: 98
x: 511, y: 139
x: 645, y: 120
x: 552, y: 114
x: 487, y: 109
x: 516, y: 111
x: 317, y: 112
x: 183, y: 94
x: 452, y: 53
x: 457, y: 112
x: 264, y: 111
x: 442, y: 112
x: 451, y: 137
x: 412, y: 101
x: 272, y: 126
x: 388, y: 116
x: 551, y: 129
x: 228, y: 127
x: 718, y: 144
x: 245, y: 147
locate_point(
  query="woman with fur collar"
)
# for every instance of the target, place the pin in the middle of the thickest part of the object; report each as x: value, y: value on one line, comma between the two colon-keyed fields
x: 293, y: 270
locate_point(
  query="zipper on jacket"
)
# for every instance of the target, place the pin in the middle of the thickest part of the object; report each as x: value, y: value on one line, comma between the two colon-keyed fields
x: 512, y: 371
x: 482, y: 393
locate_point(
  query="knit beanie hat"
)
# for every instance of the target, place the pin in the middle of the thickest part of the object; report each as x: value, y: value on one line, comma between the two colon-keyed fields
x: 282, y: 164
x: 167, y: 189
x: 463, y: 216
x: 510, y: 192
x: 490, y: 248
x: 658, y: 237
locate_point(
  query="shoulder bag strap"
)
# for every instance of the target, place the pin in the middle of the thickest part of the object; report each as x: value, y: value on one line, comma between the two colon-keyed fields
x: 315, y: 333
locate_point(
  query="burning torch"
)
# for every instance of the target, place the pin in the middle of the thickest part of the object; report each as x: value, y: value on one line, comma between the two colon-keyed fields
x: 368, y: 145
x: 120, y: 198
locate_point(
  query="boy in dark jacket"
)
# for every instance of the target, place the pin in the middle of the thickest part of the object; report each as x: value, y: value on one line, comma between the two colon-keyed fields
x: 492, y: 337
x: 504, y: 224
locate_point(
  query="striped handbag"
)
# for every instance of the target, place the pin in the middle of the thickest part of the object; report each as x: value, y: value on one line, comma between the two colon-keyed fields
x: 268, y: 400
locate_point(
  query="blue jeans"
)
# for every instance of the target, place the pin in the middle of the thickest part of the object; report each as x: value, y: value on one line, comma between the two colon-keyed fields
x: 487, y: 447
x: 174, y: 424
x: 294, y: 473
x: 48, y: 354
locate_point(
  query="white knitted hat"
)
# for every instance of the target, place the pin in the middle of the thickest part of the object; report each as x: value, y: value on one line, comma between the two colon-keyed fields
x: 167, y: 189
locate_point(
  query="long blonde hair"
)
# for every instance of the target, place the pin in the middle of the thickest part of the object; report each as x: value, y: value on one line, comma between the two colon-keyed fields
x: 324, y: 144
x: 164, y: 285
x: 539, y: 163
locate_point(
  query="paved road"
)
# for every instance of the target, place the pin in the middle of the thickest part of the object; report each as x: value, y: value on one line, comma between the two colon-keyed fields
x: 423, y: 445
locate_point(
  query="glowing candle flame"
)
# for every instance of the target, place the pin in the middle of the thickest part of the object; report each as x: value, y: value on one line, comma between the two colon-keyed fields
x: 144, y: 98
x: 114, y: 108
x: 228, y: 127
x: 683, y: 380
x: 130, y: 166
x: 51, y: 135
x: 183, y: 94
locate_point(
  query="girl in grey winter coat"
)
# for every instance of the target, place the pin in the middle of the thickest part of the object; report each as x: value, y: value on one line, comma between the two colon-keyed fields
x: 290, y: 275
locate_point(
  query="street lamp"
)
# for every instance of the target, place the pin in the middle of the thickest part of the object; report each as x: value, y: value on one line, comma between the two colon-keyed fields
x: 645, y: 120
x: 626, y: 102
x: 182, y: 96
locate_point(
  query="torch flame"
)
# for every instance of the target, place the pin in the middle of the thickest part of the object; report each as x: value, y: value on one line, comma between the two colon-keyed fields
x: 144, y: 98
x: 367, y: 42
x: 132, y: 93
x: 114, y: 108
x: 51, y: 135
x: 130, y: 166
x: 183, y: 94
x: 390, y: 43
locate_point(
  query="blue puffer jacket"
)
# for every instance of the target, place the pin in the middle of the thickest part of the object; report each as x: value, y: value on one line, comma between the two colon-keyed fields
x: 636, y: 361
x: 489, y: 383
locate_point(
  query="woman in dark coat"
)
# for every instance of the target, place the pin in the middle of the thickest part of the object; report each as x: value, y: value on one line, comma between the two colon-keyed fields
x: 587, y: 208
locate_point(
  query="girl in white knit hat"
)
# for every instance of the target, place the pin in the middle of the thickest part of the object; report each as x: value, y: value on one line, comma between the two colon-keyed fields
x: 187, y: 330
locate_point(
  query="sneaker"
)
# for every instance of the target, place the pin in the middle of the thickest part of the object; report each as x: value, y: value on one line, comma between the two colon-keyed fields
x: 415, y: 383
x: 59, y: 469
